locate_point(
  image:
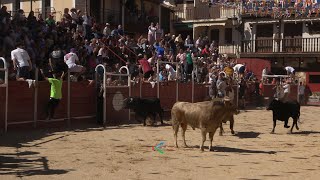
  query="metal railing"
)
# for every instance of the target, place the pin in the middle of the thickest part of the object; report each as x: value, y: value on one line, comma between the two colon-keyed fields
x: 5, y: 85
x: 227, y: 49
x: 195, y: 13
x: 285, y: 45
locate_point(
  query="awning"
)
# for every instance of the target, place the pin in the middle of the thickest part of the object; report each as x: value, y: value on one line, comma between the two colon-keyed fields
x: 208, y: 24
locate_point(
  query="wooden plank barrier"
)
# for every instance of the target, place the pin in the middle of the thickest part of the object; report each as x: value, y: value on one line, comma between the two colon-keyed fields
x: 21, y: 102
x: 83, y: 99
x: 43, y: 99
x: 2, y: 107
x: 115, y: 113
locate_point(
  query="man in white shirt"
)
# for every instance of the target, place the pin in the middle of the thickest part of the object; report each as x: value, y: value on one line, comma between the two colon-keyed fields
x: 239, y: 69
x: 21, y: 62
x: 172, y: 72
x: 70, y: 59
x: 264, y: 72
x: 107, y: 30
x: 290, y: 70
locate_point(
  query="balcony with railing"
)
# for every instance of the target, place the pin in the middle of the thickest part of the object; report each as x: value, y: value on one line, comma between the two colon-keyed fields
x: 284, y: 45
x: 202, y: 12
x: 228, y: 49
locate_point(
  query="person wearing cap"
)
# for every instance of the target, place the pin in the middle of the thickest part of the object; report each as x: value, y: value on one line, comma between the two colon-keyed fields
x: 70, y: 59
x: 21, y: 62
x: 107, y: 30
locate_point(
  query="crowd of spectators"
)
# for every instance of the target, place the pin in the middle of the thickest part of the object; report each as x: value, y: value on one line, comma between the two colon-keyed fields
x: 77, y: 43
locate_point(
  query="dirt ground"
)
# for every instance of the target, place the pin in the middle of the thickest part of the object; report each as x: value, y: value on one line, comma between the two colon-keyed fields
x: 125, y: 152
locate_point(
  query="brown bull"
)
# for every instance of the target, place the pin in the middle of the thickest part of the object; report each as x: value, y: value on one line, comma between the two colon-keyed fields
x: 206, y: 116
x: 228, y: 118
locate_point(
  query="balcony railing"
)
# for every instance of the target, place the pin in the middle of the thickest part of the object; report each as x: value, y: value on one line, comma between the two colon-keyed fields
x: 202, y: 12
x: 228, y: 49
x: 285, y: 45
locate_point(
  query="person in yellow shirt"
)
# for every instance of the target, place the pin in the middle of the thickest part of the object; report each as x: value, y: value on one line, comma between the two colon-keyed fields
x: 228, y: 70
x: 55, y: 91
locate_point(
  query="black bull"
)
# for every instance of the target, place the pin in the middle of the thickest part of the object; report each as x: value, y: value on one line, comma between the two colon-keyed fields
x: 283, y: 111
x: 144, y: 107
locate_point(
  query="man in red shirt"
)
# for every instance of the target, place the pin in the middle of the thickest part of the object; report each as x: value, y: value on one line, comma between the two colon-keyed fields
x: 146, y: 68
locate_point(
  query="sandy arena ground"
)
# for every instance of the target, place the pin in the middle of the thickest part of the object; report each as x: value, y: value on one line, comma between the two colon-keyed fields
x: 125, y: 152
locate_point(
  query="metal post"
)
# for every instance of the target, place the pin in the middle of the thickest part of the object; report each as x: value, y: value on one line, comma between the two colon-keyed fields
x: 68, y: 103
x: 35, y: 110
x: 123, y: 13
x: 104, y: 92
x: 192, y: 90
x: 6, y: 85
x: 129, y: 83
x: 237, y: 95
x: 177, y: 83
x: 31, y: 5
x: 158, y: 79
x: 140, y: 89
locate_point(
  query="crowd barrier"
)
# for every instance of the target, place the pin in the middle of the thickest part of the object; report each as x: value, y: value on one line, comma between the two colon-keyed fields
x: 21, y: 104
x: 25, y: 102
x: 269, y: 90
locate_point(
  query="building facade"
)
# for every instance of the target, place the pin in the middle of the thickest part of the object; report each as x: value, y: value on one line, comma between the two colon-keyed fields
x: 197, y: 18
x: 129, y: 13
x: 286, y: 34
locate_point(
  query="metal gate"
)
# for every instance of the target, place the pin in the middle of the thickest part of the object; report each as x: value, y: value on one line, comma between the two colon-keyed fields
x: 105, y: 81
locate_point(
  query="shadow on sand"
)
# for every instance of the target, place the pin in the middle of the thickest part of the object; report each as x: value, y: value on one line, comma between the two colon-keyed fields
x: 245, y: 135
x: 306, y: 132
x: 233, y: 150
x: 238, y: 150
x: 26, y: 163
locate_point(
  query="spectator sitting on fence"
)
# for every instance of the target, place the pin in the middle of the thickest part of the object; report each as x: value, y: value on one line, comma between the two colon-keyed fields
x: 21, y: 62
x: 70, y: 59
x: 290, y: 71
x: 146, y: 69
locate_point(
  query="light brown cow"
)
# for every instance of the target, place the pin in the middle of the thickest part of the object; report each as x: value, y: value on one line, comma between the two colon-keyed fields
x: 206, y: 116
x: 228, y: 118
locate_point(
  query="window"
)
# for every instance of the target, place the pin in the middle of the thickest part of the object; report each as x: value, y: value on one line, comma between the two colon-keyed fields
x: 314, y: 79
x: 228, y: 36
x: 314, y: 28
x: 265, y: 30
x: 293, y: 30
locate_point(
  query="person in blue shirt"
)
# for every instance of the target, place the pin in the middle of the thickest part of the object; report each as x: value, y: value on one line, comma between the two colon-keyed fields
x: 160, y: 50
